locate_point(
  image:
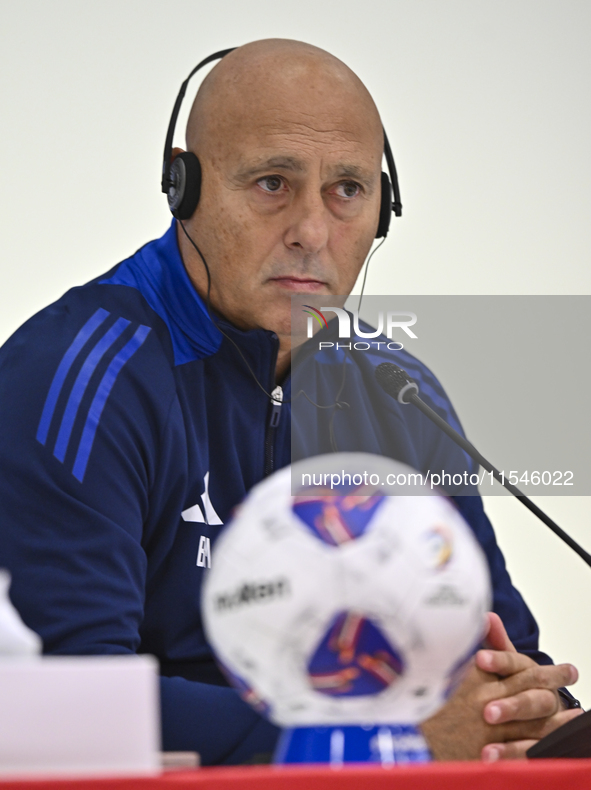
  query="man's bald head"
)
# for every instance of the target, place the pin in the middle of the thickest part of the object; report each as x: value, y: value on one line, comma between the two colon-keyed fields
x: 279, y: 80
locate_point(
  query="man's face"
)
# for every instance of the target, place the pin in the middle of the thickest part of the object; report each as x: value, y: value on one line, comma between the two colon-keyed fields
x: 289, y: 204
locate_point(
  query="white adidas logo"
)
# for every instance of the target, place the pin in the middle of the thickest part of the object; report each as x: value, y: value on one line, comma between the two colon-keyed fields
x: 196, y: 515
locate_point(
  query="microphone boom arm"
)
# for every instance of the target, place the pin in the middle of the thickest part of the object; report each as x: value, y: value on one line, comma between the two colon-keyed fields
x: 413, y: 398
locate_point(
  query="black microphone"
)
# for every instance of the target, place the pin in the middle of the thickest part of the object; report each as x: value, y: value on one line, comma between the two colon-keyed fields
x: 398, y: 384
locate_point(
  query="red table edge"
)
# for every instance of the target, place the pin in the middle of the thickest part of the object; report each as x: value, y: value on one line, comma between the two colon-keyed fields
x: 541, y: 774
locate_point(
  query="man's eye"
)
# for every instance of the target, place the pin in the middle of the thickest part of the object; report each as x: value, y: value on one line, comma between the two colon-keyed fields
x: 270, y: 183
x: 348, y: 189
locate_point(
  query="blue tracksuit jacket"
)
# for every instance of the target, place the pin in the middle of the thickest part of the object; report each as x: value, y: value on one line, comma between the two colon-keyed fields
x: 129, y: 429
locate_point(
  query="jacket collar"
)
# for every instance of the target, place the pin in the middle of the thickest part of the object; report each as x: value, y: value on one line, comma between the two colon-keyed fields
x: 157, y: 271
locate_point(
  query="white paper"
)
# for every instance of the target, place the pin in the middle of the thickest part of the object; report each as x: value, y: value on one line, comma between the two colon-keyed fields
x: 16, y: 639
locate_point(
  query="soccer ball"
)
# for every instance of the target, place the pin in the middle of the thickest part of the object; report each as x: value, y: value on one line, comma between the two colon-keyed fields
x: 352, y: 604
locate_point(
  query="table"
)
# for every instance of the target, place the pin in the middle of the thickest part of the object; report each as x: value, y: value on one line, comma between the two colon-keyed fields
x: 538, y: 774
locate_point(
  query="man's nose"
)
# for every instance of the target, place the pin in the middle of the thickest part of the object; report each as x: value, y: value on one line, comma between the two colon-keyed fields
x: 309, y: 223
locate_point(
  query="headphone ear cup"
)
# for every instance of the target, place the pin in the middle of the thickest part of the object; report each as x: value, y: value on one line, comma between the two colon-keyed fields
x: 385, y: 207
x: 185, y: 189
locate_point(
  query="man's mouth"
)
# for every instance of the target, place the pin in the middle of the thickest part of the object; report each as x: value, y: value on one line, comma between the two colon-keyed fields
x: 299, y: 284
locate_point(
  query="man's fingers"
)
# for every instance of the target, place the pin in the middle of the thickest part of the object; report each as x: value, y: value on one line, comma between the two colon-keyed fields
x: 513, y: 750
x: 521, y: 736
x: 502, y: 662
x: 538, y: 677
x: 536, y: 728
x: 530, y: 704
x: 520, y: 672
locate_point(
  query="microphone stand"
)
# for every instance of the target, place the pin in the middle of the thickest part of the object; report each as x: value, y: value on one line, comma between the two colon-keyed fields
x: 412, y: 397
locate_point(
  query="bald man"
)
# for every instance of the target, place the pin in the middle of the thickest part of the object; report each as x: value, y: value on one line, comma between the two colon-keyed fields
x: 130, y: 425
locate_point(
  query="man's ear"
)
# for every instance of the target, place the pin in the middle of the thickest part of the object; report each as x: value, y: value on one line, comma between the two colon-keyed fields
x: 175, y: 152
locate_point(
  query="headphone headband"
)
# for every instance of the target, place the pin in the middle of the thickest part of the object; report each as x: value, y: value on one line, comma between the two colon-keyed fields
x: 396, y: 204
x: 166, y: 184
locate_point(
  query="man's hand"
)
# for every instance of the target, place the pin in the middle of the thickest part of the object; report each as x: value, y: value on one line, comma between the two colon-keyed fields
x: 504, y: 705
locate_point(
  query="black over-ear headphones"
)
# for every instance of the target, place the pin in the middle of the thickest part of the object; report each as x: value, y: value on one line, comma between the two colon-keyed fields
x: 181, y: 178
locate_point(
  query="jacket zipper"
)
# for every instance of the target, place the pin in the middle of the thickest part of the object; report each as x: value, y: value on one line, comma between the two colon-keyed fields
x: 276, y: 402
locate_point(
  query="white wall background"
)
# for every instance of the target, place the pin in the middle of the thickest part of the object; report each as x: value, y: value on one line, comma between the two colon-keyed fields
x: 486, y: 103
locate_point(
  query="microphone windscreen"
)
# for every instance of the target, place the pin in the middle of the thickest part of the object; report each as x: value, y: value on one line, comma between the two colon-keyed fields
x: 393, y: 379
